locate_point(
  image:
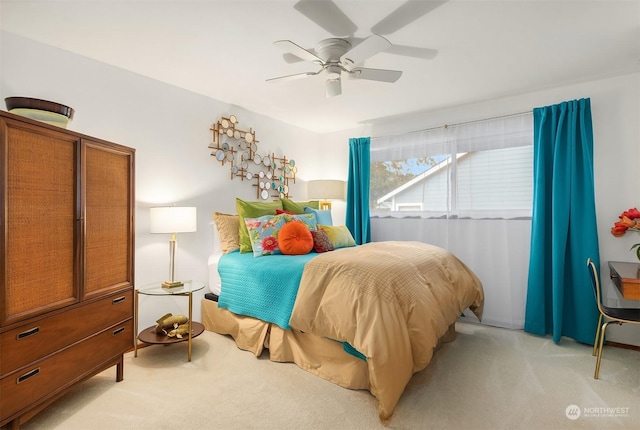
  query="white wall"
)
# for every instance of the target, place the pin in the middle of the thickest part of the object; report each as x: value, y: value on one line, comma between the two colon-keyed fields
x: 169, y: 128
x: 615, y: 105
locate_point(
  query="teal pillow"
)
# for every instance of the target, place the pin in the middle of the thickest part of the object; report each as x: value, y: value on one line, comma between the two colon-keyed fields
x: 263, y: 231
x: 252, y: 210
x: 323, y: 216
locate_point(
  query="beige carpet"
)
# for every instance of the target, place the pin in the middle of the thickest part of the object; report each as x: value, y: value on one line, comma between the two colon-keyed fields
x: 488, y: 378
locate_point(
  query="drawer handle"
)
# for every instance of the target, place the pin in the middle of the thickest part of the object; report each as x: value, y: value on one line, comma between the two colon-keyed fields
x: 118, y: 300
x: 118, y: 331
x: 28, y: 333
x: 27, y: 375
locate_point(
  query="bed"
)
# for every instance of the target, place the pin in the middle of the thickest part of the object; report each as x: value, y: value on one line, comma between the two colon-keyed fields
x: 363, y: 317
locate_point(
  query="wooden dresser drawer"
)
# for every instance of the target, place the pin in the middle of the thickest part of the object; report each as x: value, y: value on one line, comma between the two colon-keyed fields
x: 20, y: 390
x: 40, y: 337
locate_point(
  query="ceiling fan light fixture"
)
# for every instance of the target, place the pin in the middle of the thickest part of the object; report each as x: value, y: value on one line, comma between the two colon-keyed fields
x: 333, y: 72
x: 333, y: 88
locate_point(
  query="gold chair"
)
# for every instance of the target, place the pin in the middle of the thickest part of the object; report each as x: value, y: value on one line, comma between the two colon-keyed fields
x: 612, y: 315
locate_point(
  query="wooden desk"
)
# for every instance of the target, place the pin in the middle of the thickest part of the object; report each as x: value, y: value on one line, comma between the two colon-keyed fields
x: 626, y: 276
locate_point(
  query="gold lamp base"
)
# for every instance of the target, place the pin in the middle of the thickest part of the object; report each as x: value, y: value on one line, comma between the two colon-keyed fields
x: 324, y: 205
x: 172, y: 252
x: 172, y: 284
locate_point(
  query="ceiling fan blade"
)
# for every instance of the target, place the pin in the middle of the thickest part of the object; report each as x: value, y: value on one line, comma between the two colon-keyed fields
x: 298, y: 51
x: 408, y: 12
x: 327, y: 15
x: 333, y: 87
x: 412, y: 51
x: 290, y: 58
x: 367, y: 48
x: 294, y: 77
x: 381, y: 75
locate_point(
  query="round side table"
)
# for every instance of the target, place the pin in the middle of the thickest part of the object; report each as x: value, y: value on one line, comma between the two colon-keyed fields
x: 149, y: 334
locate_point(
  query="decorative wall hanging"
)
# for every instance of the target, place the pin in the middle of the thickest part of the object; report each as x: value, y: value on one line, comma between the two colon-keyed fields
x: 239, y: 148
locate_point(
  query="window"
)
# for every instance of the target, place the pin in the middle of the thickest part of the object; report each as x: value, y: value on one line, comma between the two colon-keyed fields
x: 482, y: 169
x: 409, y: 207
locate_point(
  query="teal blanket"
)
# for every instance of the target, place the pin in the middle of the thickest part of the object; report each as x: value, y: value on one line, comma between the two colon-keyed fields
x: 264, y: 287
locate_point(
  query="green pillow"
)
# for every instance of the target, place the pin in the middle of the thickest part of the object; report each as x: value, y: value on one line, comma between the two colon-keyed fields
x: 252, y: 210
x: 298, y: 207
x: 340, y: 236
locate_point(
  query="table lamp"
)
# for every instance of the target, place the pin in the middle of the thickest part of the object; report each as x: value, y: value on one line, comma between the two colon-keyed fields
x: 325, y: 189
x: 172, y: 219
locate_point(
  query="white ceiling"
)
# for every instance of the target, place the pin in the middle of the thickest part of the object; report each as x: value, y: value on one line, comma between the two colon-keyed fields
x: 223, y: 49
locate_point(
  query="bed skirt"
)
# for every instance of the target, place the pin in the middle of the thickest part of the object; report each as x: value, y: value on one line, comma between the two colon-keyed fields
x: 320, y: 356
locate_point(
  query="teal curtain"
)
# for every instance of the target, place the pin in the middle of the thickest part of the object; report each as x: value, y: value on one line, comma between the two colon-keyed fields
x: 357, y: 211
x: 560, y: 298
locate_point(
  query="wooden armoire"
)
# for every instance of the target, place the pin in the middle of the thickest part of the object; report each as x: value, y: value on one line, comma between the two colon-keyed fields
x: 67, y: 259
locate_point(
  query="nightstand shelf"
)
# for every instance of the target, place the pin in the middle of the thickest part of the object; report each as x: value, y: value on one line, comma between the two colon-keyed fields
x: 149, y: 334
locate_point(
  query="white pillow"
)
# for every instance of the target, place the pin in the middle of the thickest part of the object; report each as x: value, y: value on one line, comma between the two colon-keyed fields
x: 214, y: 276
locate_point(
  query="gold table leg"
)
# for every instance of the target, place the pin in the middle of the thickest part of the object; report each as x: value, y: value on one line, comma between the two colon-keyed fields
x: 135, y: 324
x: 190, y: 321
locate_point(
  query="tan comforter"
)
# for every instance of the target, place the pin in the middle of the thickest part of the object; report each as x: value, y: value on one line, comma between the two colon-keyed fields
x: 391, y: 301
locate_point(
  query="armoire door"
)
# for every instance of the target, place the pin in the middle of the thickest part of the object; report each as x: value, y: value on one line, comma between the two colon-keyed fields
x: 40, y: 220
x: 108, y: 217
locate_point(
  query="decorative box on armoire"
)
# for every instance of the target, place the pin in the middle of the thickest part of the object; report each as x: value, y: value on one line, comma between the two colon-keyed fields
x: 66, y: 293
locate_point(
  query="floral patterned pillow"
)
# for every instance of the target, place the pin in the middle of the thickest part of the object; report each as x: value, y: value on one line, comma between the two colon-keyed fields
x: 263, y: 231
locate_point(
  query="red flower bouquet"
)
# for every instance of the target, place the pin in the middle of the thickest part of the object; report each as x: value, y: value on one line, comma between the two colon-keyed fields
x: 629, y: 221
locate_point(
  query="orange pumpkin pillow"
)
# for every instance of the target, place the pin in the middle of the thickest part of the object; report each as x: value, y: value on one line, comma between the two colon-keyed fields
x: 295, y: 238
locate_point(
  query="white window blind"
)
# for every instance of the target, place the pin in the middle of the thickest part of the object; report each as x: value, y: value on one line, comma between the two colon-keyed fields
x: 480, y: 169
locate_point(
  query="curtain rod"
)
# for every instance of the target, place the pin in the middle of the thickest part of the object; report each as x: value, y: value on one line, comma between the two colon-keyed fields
x: 452, y: 125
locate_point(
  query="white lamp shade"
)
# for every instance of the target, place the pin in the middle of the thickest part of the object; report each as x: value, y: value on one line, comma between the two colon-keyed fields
x: 173, y: 219
x: 326, y: 189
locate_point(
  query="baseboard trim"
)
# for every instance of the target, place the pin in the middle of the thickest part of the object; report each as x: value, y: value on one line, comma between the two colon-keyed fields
x: 624, y: 346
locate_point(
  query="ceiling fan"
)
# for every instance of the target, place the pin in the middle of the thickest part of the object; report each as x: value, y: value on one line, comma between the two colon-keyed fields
x: 345, y: 53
